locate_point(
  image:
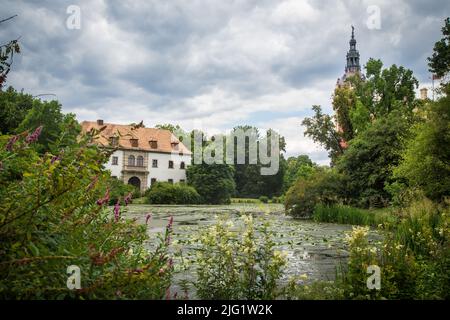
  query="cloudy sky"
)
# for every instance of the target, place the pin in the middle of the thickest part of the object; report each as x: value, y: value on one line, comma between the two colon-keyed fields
x: 211, y: 64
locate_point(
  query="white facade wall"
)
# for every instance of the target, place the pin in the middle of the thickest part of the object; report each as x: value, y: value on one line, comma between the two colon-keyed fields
x: 162, y: 173
x: 116, y: 170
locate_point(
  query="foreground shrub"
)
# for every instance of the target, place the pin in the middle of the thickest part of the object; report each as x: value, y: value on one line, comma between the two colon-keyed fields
x: 297, y: 289
x: 414, y: 258
x: 168, y: 193
x: 238, y: 264
x: 54, y: 214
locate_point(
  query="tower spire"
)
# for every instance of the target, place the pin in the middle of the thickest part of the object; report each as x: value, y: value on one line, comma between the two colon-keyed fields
x: 352, y: 65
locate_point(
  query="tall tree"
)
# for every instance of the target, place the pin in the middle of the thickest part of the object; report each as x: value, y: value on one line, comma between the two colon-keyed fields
x: 439, y: 62
x: 321, y: 128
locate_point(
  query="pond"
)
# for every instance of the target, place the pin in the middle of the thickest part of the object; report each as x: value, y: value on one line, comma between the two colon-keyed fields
x: 314, y: 249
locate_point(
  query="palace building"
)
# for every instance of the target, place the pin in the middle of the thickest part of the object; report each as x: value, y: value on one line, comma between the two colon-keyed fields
x: 142, y: 155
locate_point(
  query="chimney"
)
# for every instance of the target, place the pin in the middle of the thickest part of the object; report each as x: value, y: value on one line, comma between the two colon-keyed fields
x: 424, y: 93
x: 100, y: 122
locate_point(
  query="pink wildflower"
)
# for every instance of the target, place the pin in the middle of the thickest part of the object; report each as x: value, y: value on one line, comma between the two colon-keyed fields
x: 34, y: 136
x: 11, y: 143
x: 128, y: 199
x: 147, y: 218
x: 117, y: 210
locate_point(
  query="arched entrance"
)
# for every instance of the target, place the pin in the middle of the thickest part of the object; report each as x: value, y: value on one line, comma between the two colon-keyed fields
x: 135, y: 181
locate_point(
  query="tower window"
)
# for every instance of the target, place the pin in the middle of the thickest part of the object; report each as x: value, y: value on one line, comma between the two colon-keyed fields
x: 115, y: 161
x: 154, y: 163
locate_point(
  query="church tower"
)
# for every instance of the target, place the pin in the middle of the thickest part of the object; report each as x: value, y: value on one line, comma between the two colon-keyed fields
x: 352, y: 67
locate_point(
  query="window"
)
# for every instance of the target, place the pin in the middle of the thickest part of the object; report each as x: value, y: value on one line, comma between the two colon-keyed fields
x: 114, y: 141
x: 154, y: 163
x: 170, y: 164
x: 170, y: 181
x: 131, y: 161
x: 182, y: 165
x: 153, y: 144
x: 153, y: 181
x: 140, y: 161
x: 174, y: 145
x: 182, y: 181
x: 134, y: 143
x: 114, y: 177
x: 115, y: 161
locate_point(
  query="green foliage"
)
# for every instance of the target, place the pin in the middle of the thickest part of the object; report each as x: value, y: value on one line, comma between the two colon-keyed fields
x: 322, y: 130
x: 250, y: 183
x: 264, y: 199
x: 324, y: 186
x: 60, y: 129
x: 118, y: 190
x: 297, y: 289
x: 214, y: 183
x: 414, y: 257
x: 368, y: 162
x: 13, y: 108
x: 53, y: 214
x: 349, y: 215
x: 168, y: 193
x: 426, y: 161
x: 439, y: 62
x: 344, y: 101
x: 297, y: 167
x: 238, y: 265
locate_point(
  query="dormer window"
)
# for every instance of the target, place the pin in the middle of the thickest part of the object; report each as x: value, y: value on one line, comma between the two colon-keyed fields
x: 153, y: 144
x: 134, y: 143
x: 114, y: 141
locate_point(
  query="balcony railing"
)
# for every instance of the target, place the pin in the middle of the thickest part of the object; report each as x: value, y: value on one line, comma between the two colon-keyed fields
x: 135, y: 168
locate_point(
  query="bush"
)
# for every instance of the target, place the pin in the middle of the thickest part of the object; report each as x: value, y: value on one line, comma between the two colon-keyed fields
x: 118, y: 189
x: 425, y: 162
x: 264, y: 199
x: 321, y: 187
x: 414, y: 257
x: 238, y: 265
x: 167, y: 193
x: 54, y: 214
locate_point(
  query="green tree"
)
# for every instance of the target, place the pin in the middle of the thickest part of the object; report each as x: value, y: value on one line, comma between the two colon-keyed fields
x: 370, y: 158
x: 384, y: 90
x: 344, y: 102
x: 322, y: 130
x: 426, y: 161
x: 297, y: 167
x: 49, y: 116
x: 14, y: 106
x: 214, y: 182
x: 439, y: 62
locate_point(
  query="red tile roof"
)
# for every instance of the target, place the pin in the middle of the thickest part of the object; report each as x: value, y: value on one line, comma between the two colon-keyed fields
x: 165, y: 138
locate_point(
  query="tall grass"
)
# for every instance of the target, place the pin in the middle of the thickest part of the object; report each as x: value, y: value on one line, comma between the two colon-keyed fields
x: 350, y: 215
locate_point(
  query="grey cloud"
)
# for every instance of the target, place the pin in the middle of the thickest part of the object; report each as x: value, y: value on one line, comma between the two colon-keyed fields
x: 207, y: 60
